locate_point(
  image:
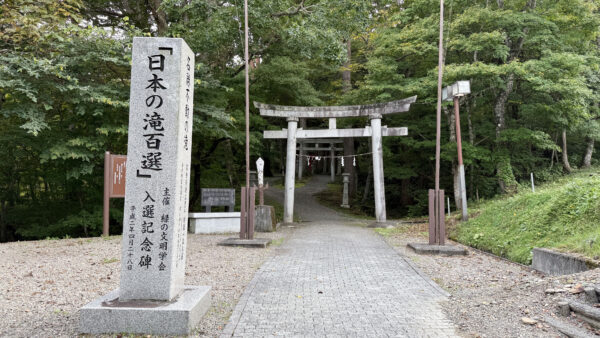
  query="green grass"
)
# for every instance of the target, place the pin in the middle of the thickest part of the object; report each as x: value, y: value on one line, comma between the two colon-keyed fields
x: 564, y: 215
x: 277, y: 242
x: 387, y: 232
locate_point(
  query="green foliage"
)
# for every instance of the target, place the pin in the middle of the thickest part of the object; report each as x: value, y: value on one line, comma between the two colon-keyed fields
x: 562, y: 215
x: 64, y: 84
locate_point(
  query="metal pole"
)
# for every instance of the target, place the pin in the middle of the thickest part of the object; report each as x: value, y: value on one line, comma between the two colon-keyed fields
x: 438, y: 209
x: 532, y: 184
x: 106, y: 204
x: 461, y: 166
x: 439, y: 98
x: 448, y: 206
x: 247, y: 94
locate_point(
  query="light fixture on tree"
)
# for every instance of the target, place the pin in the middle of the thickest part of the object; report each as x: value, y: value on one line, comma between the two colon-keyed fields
x: 457, y: 89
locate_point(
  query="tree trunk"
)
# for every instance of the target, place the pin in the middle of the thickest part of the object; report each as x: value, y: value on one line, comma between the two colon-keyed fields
x: 553, y: 155
x: 197, y: 168
x: 504, y: 172
x: 405, y: 198
x: 472, y: 143
x: 160, y: 17
x: 500, y: 106
x: 565, y: 156
x: 346, y: 74
x: 367, y: 185
x: 231, y: 171
x: 587, y: 157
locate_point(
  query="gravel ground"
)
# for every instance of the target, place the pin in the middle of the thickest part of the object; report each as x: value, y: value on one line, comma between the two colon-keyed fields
x: 490, y: 296
x: 44, y: 283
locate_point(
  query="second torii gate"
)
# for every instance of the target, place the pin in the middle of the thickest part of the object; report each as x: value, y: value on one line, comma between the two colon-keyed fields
x: 374, y: 111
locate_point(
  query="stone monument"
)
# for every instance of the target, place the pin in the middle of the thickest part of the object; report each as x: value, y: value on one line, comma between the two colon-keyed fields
x: 211, y: 197
x: 152, y: 297
x: 209, y: 222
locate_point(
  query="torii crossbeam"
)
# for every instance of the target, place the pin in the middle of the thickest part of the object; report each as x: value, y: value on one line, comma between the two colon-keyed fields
x: 373, y: 111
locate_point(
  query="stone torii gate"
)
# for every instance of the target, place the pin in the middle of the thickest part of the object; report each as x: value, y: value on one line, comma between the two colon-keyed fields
x: 331, y: 149
x: 373, y: 111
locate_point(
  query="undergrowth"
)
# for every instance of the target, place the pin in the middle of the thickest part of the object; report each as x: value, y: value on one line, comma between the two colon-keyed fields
x: 564, y: 215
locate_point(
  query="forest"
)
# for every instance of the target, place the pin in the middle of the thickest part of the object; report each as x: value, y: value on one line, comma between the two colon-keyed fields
x: 534, y: 67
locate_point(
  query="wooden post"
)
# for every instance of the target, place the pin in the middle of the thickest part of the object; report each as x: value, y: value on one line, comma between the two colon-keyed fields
x: 432, y: 222
x: 106, y: 197
x: 437, y: 220
x: 251, y: 212
x: 441, y: 230
x: 243, y: 217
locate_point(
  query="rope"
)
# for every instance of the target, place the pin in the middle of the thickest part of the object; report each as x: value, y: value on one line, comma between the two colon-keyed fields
x: 335, y: 156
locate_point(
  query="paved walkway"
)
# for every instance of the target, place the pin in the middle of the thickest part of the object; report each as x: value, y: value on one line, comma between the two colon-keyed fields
x: 335, y: 279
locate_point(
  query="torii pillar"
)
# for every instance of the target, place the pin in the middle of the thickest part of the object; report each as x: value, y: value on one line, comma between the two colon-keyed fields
x: 290, y: 171
x: 378, y: 182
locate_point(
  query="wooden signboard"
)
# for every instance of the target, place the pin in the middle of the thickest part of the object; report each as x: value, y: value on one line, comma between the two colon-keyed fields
x: 118, y: 165
x: 115, y: 168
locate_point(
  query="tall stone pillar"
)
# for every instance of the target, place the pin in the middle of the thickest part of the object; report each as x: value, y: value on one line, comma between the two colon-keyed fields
x: 378, y: 183
x: 152, y: 298
x: 290, y: 171
x: 332, y: 161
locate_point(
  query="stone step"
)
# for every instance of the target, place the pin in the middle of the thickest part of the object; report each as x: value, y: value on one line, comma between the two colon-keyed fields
x: 567, y: 329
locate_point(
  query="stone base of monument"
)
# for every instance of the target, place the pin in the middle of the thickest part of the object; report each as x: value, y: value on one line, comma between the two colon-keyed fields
x: 214, y: 222
x: 432, y: 249
x: 246, y: 243
x: 177, y: 317
x: 264, y: 219
x: 385, y: 224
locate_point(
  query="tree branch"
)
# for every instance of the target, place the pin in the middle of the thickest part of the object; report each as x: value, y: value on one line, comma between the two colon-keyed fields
x: 292, y: 12
x: 214, y: 146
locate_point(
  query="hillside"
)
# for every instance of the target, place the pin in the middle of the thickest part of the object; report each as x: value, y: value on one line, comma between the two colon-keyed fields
x: 563, y: 215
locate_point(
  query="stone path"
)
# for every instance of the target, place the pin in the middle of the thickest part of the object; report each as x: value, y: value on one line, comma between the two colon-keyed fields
x: 335, y: 279
x: 306, y: 207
